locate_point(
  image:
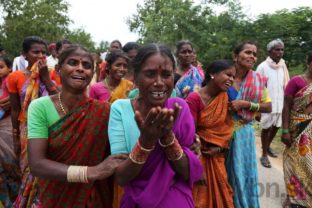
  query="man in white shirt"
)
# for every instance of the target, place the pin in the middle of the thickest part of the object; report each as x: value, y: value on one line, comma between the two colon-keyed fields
x: 276, y: 72
x: 52, y: 59
x: 19, y: 63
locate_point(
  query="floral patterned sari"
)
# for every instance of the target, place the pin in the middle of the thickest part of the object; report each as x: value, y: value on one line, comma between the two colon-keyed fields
x: 298, y: 157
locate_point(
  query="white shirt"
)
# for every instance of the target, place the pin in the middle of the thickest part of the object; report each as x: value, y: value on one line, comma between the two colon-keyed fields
x: 19, y: 63
x: 51, y: 62
x: 275, y: 85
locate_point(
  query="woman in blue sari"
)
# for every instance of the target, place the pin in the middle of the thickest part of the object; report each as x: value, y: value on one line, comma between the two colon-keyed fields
x: 187, y: 78
x: 248, y: 96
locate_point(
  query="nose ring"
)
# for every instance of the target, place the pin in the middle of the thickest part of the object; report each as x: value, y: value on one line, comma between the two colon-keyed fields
x: 155, y: 84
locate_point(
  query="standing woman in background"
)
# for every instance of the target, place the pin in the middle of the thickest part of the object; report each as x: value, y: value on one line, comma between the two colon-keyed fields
x: 114, y: 86
x: 248, y: 96
x: 297, y: 136
x: 187, y: 78
x: 24, y: 87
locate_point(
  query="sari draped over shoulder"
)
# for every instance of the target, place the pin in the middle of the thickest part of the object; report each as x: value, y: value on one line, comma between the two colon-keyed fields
x: 297, y: 158
x: 79, y: 138
x: 214, y: 126
x: 158, y: 185
x: 241, y: 162
x: 192, y: 79
x: 32, y: 89
x: 121, y: 90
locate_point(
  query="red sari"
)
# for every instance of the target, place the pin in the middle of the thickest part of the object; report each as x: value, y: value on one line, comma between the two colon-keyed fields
x: 79, y: 138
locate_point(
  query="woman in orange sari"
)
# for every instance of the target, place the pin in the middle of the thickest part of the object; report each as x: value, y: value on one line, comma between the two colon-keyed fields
x: 209, y: 107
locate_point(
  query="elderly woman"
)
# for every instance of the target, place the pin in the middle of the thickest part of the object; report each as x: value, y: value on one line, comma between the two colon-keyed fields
x: 187, y: 78
x: 296, y: 134
x: 114, y: 86
x: 68, y: 144
x: 157, y: 132
x: 248, y: 96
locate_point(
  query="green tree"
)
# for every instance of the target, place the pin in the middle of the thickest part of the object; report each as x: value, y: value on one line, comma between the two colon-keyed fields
x: 103, y: 46
x: 47, y: 19
x: 80, y: 36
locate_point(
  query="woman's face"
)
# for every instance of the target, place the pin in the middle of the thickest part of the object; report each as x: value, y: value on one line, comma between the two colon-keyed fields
x: 224, y: 79
x: 155, y: 80
x: 247, y: 57
x: 37, y: 51
x: 4, y: 69
x: 185, y: 54
x: 118, y: 69
x: 77, y: 71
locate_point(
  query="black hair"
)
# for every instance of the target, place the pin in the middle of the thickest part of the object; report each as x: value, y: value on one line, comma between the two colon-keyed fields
x: 217, y: 67
x: 69, y: 50
x: 111, y: 57
x: 239, y: 47
x: 59, y: 44
x: 148, y: 50
x: 116, y: 41
x: 7, y: 61
x: 182, y: 43
x: 129, y: 46
x: 309, y: 57
x: 30, y: 40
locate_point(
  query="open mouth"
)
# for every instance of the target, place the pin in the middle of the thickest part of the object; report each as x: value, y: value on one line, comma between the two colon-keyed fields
x: 78, y: 77
x: 159, y: 95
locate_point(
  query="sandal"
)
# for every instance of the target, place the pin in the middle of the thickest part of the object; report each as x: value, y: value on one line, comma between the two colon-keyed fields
x: 265, y: 162
x: 271, y: 153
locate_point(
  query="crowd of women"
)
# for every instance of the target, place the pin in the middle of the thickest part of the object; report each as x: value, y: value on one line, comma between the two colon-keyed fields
x: 144, y: 128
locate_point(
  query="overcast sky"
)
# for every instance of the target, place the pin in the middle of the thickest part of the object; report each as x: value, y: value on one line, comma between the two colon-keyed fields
x: 106, y: 19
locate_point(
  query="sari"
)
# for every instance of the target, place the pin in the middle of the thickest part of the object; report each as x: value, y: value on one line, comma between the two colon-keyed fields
x: 192, y: 80
x: 241, y: 162
x: 101, y: 92
x: 215, y: 128
x: 10, y: 173
x: 157, y: 185
x: 79, y: 138
x: 32, y: 89
x: 297, y: 159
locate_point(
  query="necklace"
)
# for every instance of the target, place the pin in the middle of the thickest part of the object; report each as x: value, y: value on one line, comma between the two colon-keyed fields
x: 61, y: 105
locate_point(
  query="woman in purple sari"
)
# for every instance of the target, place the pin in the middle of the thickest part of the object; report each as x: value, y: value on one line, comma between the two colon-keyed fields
x: 157, y: 132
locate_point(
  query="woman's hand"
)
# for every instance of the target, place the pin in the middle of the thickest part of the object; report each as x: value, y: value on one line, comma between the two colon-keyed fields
x: 106, y: 168
x: 211, y: 151
x: 237, y: 105
x: 196, y: 146
x: 286, y: 139
x: 43, y: 69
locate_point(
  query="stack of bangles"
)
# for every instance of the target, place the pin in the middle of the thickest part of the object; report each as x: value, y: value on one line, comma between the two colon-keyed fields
x: 77, y: 174
x: 140, y: 154
x: 173, y: 150
x: 254, y: 106
x: 285, y: 131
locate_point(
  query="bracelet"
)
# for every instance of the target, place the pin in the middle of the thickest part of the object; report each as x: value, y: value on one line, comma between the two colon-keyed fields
x: 254, y: 106
x: 145, y: 149
x: 77, y: 174
x: 285, y: 131
x: 166, y: 145
x: 174, y: 152
x: 138, y: 155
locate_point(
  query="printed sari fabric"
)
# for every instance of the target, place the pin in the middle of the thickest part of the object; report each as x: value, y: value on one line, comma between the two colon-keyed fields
x: 241, y: 162
x: 10, y: 174
x: 79, y: 138
x: 121, y: 91
x: 215, y: 127
x: 32, y: 89
x: 192, y: 79
x: 298, y: 157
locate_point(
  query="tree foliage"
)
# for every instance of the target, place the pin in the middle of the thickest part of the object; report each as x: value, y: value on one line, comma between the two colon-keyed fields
x: 45, y: 18
x: 214, y: 34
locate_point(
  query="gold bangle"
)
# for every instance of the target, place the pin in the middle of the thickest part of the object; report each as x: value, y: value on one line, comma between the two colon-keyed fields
x: 166, y: 145
x: 135, y: 161
x: 77, y: 174
x: 145, y: 149
x: 178, y: 158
